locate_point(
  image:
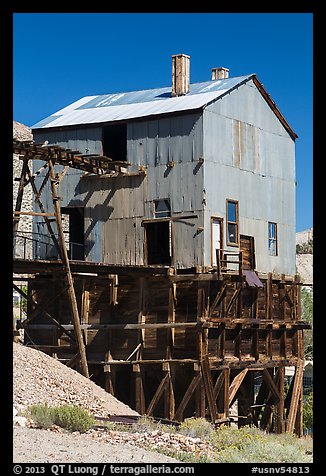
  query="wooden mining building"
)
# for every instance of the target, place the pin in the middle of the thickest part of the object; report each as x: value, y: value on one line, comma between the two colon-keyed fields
x: 164, y: 248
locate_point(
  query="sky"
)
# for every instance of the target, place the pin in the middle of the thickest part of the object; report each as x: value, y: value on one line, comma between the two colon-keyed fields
x: 60, y: 57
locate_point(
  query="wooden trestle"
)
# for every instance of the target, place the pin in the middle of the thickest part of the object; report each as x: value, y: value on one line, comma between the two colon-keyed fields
x: 170, y: 343
x: 177, y: 345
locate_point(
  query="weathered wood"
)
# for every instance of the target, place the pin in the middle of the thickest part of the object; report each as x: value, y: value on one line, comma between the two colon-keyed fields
x: 233, y: 298
x: 71, y: 291
x: 220, y: 295
x: 237, y: 341
x: 158, y: 394
x: 271, y: 385
x: 35, y: 214
x: 280, y: 414
x: 139, y: 390
x: 236, y: 384
x: 295, y: 398
x: 219, y: 384
x: 20, y: 193
x: 190, y: 390
x: 141, y: 325
x: 207, y: 380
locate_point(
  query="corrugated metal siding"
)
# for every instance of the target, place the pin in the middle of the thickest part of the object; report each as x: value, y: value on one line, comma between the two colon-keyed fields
x: 254, y: 165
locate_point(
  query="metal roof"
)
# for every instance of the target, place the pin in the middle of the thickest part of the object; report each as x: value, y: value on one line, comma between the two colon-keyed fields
x: 136, y: 104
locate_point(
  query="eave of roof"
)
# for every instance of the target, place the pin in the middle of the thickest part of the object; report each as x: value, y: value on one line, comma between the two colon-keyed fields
x: 100, y: 109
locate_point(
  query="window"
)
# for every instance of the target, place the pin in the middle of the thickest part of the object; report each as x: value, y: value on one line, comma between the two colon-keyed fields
x: 232, y: 218
x: 114, y: 141
x: 162, y: 208
x: 272, y: 239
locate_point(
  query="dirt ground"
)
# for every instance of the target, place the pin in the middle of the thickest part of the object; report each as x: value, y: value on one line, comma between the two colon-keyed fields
x: 33, y: 445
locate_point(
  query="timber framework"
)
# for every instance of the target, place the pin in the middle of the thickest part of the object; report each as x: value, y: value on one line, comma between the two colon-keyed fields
x: 172, y: 343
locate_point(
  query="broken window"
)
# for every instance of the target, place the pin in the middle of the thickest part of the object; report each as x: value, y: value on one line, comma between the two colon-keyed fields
x: 232, y: 218
x: 114, y: 141
x: 162, y: 208
x: 272, y: 239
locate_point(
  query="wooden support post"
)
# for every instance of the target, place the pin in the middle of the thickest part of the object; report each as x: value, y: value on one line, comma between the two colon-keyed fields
x: 171, y: 319
x: 298, y: 426
x: 201, y: 309
x: 85, y: 308
x: 169, y: 402
x: 139, y: 390
x: 280, y: 415
x: 71, y: 290
x: 221, y: 341
x: 221, y: 392
x: 296, y: 399
x: 207, y: 380
x: 109, y: 372
x: 20, y: 194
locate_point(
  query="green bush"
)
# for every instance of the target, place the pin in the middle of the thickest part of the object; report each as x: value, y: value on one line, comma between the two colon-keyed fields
x: 69, y: 417
x: 43, y: 415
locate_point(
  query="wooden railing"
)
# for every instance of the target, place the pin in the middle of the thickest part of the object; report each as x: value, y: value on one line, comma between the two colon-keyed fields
x: 223, y: 261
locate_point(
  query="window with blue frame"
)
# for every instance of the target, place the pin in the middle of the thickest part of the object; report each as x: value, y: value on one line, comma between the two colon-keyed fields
x: 272, y: 239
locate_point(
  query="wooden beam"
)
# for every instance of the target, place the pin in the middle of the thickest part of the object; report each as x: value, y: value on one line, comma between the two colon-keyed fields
x: 20, y: 194
x: 139, y: 390
x: 236, y: 384
x: 295, y: 398
x: 219, y: 384
x: 208, y: 384
x: 280, y: 414
x: 233, y: 298
x: 220, y: 295
x: 158, y: 394
x: 190, y: 390
x: 271, y: 385
x: 71, y: 290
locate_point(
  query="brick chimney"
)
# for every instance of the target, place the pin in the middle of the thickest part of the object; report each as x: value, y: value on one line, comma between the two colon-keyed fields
x: 180, y: 75
x: 220, y: 73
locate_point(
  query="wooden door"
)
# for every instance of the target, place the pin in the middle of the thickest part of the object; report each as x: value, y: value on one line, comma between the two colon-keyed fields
x: 247, y: 246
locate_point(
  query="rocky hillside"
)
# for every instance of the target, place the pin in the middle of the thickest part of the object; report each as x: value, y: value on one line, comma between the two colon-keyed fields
x: 304, y: 260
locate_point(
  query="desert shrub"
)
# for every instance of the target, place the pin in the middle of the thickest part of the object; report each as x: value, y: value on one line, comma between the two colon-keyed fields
x: 73, y: 418
x: 146, y: 424
x: 43, y: 415
x: 196, y: 428
x: 69, y: 417
x: 235, y: 438
x: 265, y: 450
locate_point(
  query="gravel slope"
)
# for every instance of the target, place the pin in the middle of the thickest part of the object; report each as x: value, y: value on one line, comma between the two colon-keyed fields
x: 38, y: 378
